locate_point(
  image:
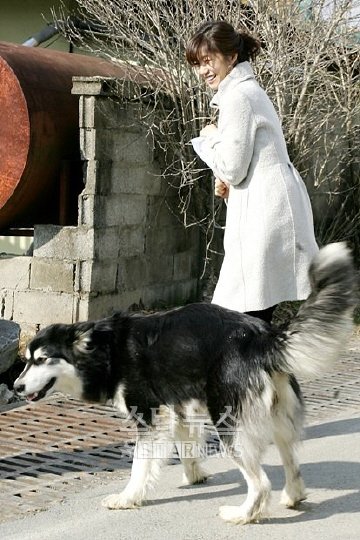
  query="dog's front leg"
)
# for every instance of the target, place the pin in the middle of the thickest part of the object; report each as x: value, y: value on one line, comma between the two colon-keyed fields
x: 145, y: 471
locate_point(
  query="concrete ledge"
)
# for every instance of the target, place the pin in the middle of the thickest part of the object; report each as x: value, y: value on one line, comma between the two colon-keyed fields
x: 93, y: 86
x: 15, y: 272
x: 43, y: 307
x: 99, y: 276
x: 52, y: 275
x: 66, y: 243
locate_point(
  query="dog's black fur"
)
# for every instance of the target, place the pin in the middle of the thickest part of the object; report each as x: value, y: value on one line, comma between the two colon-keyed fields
x: 187, y: 353
x: 207, y: 355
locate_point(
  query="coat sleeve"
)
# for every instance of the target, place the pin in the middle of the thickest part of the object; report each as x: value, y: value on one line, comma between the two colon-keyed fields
x: 233, y: 145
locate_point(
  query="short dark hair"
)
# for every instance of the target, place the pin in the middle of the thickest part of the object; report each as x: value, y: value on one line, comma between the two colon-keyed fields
x: 221, y: 37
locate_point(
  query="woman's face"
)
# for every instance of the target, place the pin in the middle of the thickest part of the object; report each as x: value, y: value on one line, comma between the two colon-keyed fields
x: 214, y: 67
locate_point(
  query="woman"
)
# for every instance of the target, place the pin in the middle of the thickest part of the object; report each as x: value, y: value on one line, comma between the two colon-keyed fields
x: 269, y: 238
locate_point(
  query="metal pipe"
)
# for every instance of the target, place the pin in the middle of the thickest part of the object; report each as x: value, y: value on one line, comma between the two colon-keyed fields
x: 45, y: 33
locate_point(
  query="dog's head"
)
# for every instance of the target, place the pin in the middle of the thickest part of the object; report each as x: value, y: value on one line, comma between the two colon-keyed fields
x: 72, y: 359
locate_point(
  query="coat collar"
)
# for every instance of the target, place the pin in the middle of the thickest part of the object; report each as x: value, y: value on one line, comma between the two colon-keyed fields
x: 241, y: 72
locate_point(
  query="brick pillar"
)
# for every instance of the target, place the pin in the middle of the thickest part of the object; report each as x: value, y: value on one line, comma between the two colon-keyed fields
x: 141, y: 254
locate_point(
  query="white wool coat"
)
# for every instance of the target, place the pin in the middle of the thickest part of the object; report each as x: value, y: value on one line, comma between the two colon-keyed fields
x: 269, y: 235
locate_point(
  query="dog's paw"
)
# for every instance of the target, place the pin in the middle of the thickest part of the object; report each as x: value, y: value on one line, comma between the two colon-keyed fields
x: 234, y: 514
x: 119, y: 501
x: 292, y: 501
x: 197, y: 476
x: 292, y: 495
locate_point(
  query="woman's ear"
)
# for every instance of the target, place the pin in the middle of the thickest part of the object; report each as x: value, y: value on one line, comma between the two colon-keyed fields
x: 233, y: 58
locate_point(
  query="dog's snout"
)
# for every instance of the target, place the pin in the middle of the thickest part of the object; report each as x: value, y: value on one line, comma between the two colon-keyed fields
x: 19, y: 388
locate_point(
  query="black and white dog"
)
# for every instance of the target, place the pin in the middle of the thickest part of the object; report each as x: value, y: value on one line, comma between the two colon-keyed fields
x: 171, y: 366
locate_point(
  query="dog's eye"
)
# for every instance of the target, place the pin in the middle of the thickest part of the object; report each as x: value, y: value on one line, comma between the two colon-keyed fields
x: 53, y: 361
x: 39, y: 361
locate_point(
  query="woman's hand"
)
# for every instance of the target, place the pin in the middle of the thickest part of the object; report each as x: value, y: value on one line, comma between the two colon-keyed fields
x: 210, y: 129
x: 221, y: 188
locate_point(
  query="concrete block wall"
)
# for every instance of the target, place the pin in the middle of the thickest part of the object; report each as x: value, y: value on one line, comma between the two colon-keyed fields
x: 128, y: 248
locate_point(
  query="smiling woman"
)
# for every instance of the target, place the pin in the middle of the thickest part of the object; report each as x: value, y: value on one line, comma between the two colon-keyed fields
x: 269, y: 238
x: 220, y: 38
x: 213, y: 67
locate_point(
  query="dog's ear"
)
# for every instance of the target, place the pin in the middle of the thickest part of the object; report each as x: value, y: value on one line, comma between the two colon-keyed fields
x: 87, y: 338
x: 83, y: 342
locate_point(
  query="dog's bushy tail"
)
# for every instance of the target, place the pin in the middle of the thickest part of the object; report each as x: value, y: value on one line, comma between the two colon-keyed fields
x: 323, y: 324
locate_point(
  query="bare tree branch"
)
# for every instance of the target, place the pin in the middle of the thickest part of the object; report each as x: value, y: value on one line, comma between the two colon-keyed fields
x: 309, y: 66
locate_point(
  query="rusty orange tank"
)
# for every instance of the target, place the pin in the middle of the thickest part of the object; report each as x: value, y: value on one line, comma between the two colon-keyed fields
x: 39, y: 130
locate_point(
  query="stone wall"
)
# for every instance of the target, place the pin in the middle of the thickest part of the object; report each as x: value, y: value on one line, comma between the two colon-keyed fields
x: 128, y: 247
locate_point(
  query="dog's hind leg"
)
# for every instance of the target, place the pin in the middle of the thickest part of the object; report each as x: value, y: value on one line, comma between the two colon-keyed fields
x: 287, y: 425
x: 294, y: 490
x: 189, y: 441
x: 246, y: 450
